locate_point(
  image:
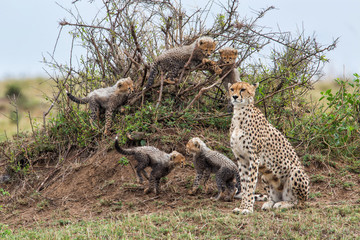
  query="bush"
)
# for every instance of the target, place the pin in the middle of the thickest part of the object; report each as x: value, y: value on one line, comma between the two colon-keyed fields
x: 333, y: 128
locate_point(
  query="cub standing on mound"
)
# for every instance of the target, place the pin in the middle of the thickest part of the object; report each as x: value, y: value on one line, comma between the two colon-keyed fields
x: 259, y: 147
x: 207, y: 161
x: 174, y: 60
x: 108, y: 99
x: 161, y: 163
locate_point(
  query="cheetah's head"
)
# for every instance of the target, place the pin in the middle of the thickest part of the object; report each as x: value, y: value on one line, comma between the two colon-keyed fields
x: 177, y: 158
x: 228, y: 55
x: 125, y: 85
x: 194, y: 146
x: 242, y: 93
x: 207, y: 45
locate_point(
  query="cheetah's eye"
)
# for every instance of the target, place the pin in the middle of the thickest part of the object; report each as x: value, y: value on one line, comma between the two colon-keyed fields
x: 231, y: 89
x: 241, y: 90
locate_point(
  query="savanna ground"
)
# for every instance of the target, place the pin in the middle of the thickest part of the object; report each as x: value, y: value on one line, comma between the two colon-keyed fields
x: 93, y: 195
x: 61, y: 179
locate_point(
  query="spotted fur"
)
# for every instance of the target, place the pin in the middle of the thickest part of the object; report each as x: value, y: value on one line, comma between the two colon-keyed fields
x: 173, y: 60
x: 160, y: 162
x: 108, y: 99
x: 260, y: 147
x: 207, y: 161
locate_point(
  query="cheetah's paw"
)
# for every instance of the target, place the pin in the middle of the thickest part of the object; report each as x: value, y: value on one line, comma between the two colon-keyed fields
x: 243, y: 211
x: 283, y: 204
x: 268, y: 205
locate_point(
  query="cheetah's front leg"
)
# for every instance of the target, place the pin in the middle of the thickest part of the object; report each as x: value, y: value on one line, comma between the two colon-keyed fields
x: 206, y: 177
x: 247, y: 202
x: 152, y: 184
x: 197, y: 180
x: 243, y: 170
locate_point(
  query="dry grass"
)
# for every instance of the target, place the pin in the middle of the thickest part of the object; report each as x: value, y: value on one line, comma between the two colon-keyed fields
x: 34, y: 105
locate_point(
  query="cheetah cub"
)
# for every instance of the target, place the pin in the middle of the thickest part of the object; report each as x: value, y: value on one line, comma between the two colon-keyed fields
x: 161, y: 163
x: 108, y: 99
x: 227, y: 61
x: 260, y: 147
x: 207, y: 161
x: 174, y: 60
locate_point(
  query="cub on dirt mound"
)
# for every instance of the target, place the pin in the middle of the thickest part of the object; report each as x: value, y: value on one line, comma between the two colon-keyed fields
x: 160, y: 162
x: 174, y: 60
x: 207, y: 161
x: 260, y: 147
x: 106, y: 99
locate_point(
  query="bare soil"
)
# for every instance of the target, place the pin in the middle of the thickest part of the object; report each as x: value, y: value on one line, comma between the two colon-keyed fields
x: 88, y: 188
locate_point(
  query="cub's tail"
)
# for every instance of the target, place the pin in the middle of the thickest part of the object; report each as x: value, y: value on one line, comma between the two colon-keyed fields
x: 77, y: 100
x: 121, y: 150
x: 153, y: 73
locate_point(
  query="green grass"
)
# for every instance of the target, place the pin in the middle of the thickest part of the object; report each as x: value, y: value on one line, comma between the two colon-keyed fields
x: 333, y: 222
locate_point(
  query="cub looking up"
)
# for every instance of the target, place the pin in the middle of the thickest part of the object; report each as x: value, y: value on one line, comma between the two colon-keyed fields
x: 172, y: 61
x: 161, y: 163
x: 108, y: 99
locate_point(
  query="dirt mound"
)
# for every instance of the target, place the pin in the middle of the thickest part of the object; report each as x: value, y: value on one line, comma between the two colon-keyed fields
x: 100, y: 186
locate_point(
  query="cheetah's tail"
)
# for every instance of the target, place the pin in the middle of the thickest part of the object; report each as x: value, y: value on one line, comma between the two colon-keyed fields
x: 153, y: 73
x: 77, y: 100
x: 121, y: 150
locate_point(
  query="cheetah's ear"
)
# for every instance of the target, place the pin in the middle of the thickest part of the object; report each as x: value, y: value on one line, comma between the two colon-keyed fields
x: 201, y: 42
x: 235, y: 51
x: 256, y: 85
x: 221, y: 51
x: 119, y: 85
x: 216, y: 42
x: 229, y: 85
x: 197, y: 145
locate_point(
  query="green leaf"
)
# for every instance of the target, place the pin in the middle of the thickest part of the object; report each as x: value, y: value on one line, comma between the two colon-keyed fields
x: 143, y: 142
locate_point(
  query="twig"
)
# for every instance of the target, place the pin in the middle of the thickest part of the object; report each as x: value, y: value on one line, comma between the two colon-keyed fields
x: 41, y: 186
x: 55, y: 100
x: 201, y: 92
x: 161, y: 90
x: 204, y: 89
x: 99, y: 56
x: 187, y: 64
x: 281, y: 90
x: 31, y: 124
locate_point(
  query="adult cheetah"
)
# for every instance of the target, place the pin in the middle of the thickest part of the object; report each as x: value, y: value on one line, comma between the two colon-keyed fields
x: 260, y: 147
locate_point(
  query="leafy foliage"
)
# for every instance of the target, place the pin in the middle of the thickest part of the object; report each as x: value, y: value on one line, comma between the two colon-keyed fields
x: 333, y: 128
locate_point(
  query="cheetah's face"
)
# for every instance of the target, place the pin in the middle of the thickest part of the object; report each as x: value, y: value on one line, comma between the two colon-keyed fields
x: 126, y: 86
x: 177, y: 158
x: 192, y: 147
x: 228, y: 55
x: 206, y: 46
x: 242, y: 93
